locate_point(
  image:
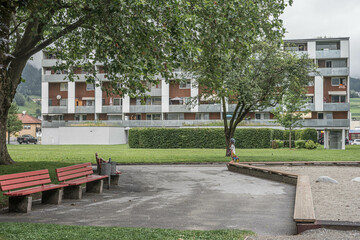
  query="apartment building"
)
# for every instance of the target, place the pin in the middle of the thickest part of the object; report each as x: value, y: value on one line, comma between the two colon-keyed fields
x: 70, y: 107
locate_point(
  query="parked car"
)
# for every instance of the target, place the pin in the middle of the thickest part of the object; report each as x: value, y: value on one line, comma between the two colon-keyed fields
x: 27, y: 139
x: 356, y: 142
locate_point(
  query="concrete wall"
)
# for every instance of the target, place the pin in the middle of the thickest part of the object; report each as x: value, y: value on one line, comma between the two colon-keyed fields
x: 83, y: 135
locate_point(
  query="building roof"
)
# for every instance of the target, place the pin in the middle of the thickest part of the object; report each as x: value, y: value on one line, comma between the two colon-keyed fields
x: 316, y: 39
x: 27, y: 119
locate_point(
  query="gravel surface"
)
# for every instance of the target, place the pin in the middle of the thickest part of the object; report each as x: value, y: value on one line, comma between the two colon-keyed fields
x: 318, y: 234
x: 335, y: 202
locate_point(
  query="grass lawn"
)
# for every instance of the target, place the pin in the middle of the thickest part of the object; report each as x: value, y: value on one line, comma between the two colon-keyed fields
x: 27, y: 231
x: 355, y: 108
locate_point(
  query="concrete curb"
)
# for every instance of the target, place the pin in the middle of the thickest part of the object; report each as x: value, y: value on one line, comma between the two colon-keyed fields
x: 310, y: 222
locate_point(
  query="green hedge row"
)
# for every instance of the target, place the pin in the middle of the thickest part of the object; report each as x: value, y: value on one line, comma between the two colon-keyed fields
x: 211, y: 137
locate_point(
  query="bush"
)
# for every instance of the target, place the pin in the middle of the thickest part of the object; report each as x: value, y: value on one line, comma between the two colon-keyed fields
x: 309, y: 134
x: 310, y: 145
x: 278, y: 143
x: 300, y: 144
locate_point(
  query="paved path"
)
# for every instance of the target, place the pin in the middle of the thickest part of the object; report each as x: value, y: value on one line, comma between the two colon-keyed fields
x: 199, y: 197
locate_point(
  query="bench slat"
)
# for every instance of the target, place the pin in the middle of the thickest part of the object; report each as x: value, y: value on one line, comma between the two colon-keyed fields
x: 24, y: 179
x: 59, y: 170
x: 76, y: 175
x: 28, y: 191
x: 23, y: 174
x: 23, y: 185
x: 304, y: 207
x: 82, y: 180
x: 79, y: 170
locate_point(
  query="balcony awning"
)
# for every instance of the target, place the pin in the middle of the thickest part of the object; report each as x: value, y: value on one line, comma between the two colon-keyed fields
x: 88, y: 98
x: 337, y: 92
x: 176, y: 99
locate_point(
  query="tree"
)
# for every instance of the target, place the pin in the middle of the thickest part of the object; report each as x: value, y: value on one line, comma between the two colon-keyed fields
x: 13, y: 123
x: 134, y: 39
x: 290, y: 111
x: 258, y: 82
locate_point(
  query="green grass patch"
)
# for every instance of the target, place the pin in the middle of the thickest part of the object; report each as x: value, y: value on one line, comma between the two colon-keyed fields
x: 27, y: 231
x: 355, y: 108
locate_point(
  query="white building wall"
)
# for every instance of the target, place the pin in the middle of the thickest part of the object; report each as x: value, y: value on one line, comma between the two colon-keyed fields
x: 319, y: 93
x: 83, y: 135
x: 44, y: 97
x: 71, y: 97
x: 312, y: 49
x: 165, y: 95
x: 194, y: 93
x: 344, y: 49
x: 98, y: 99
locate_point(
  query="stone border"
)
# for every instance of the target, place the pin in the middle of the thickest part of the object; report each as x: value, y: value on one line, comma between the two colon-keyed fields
x: 304, y: 213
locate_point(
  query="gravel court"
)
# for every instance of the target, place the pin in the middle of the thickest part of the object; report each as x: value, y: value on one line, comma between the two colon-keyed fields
x: 202, y: 197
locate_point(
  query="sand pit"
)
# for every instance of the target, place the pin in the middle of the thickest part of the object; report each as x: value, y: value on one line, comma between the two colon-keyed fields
x: 335, y: 202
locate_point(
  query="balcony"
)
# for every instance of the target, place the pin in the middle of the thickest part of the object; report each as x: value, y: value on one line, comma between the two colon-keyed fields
x: 209, y: 108
x: 336, y: 107
x: 112, y: 109
x: 344, y: 71
x: 49, y: 62
x: 154, y: 92
x: 54, y: 78
x: 179, y: 108
x: 57, y: 109
x: 145, y: 108
x: 326, y: 123
x: 85, y: 109
x: 328, y: 54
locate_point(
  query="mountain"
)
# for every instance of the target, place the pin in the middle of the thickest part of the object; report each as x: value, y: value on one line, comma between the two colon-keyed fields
x: 355, y: 84
x: 32, y: 84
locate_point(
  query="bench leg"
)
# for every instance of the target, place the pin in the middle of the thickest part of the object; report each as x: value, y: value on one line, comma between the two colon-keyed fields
x: 95, y: 186
x: 115, y: 179
x: 73, y: 192
x: 20, y: 204
x: 52, y: 196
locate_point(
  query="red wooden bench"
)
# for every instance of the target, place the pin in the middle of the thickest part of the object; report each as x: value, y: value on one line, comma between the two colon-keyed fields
x: 76, y: 175
x: 19, y: 187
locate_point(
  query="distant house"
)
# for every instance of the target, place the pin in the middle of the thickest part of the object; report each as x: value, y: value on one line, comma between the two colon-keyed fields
x: 31, y: 125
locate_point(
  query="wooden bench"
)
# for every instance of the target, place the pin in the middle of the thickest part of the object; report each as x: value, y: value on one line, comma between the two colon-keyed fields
x: 19, y: 187
x: 76, y: 175
x: 304, y: 207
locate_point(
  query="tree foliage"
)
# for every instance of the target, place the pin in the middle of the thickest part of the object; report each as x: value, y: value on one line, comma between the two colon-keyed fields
x: 13, y: 123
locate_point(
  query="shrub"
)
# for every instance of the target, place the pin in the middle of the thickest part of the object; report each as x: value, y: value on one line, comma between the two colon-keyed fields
x: 310, y: 145
x: 309, y: 134
x: 300, y: 144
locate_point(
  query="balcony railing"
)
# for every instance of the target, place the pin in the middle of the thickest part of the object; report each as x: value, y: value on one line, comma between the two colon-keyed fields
x: 49, y: 62
x: 179, y: 108
x: 336, y: 107
x: 57, y: 109
x: 209, y: 108
x: 111, y: 109
x: 145, y: 108
x: 344, y: 71
x: 328, y: 54
x: 326, y: 123
x: 154, y: 92
x: 54, y: 78
x: 85, y: 109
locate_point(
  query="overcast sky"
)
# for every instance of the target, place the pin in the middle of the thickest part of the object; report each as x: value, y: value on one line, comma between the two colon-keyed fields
x: 330, y: 18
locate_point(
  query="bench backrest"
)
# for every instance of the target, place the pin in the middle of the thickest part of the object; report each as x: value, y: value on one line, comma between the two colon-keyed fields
x: 75, y: 171
x: 22, y: 180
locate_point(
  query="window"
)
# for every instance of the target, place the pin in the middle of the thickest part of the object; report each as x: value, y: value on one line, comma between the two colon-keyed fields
x: 63, y: 86
x: 148, y: 117
x: 63, y: 102
x: 257, y: 116
x: 27, y: 127
x: 50, y: 102
x: 103, y: 101
x: 117, y: 102
x: 156, y: 101
x: 172, y: 116
x: 329, y: 116
x: 156, y: 116
x: 338, y: 99
x: 328, y: 64
x: 310, y: 99
x: 89, y: 103
x: 90, y: 87
x: 266, y: 116
x: 338, y: 81
x: 186, y: 84
x: 320, y: 46
x: 320, y: 115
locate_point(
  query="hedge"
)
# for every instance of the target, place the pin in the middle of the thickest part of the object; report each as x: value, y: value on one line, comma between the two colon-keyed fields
x: 211, y: 137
